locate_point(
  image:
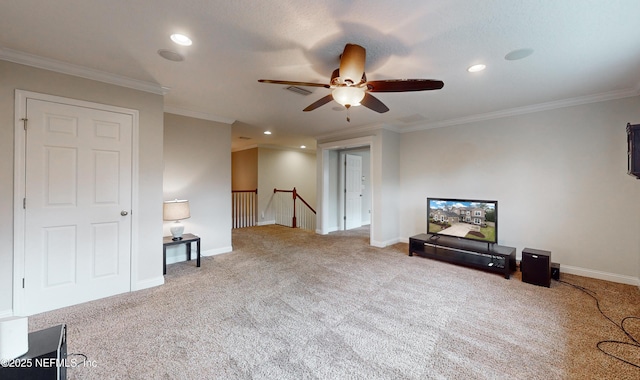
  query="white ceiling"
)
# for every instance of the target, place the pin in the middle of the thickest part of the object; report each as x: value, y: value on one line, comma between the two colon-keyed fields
x: 584, y: 50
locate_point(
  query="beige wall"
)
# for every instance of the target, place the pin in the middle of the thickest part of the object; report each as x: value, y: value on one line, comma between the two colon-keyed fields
x: 244, y: 169
x: 284, y: 169
x: 150, y: 107
x: 197, y: 167
x: 559, y: 177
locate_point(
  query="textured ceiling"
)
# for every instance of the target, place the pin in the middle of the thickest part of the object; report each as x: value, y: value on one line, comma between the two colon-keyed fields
x: 583, y: 50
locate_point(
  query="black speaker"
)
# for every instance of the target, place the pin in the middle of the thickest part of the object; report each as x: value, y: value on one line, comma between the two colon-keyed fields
x: 633, y: 150
x: 536, y: 267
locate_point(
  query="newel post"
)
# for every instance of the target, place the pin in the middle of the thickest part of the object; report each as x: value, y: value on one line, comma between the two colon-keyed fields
x: 293, y: 221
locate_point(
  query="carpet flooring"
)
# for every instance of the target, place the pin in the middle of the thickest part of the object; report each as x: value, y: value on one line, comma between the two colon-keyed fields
x: 291, y: 304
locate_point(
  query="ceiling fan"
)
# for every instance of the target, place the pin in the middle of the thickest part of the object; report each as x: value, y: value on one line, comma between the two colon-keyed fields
x: 350, y: 86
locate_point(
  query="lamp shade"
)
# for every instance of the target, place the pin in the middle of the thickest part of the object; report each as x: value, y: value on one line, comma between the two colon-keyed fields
x: 176, y: 210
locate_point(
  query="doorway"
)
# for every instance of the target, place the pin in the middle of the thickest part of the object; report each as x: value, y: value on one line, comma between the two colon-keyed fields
x: 331, y: 184
x: 355, y: 185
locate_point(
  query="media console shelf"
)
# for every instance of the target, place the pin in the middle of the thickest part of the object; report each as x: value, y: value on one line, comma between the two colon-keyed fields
x: 475, y: 254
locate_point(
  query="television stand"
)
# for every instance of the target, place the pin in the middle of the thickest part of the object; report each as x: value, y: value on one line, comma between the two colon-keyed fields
x: 489, y: 257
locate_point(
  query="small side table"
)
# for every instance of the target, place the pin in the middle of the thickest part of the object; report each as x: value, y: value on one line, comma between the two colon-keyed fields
x: 186, y: 239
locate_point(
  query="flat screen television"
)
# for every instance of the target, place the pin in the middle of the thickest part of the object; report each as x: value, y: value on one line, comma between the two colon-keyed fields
x: 463, y: 218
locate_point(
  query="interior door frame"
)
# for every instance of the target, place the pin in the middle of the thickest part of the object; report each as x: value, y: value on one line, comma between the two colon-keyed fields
x: 19, y: 178
x: 322, y: 169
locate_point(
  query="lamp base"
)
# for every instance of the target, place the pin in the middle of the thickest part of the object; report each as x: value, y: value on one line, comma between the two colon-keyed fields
x: 177, y: 229
x: 176, y: 238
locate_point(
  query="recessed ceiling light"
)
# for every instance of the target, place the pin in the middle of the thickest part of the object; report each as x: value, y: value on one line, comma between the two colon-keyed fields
x: 267, y: 132
x: 170, y: 55
x: 181, y: 39
x: 302, y: 146
x: 476, y: 68
x: 518, y: 54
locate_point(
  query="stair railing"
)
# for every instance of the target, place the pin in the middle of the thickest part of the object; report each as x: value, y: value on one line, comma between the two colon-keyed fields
x: 244, y: 206
x: 294, y: 213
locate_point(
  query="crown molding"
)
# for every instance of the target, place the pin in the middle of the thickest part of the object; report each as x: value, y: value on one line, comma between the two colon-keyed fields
x: 611, y: 95
x: 197, y: 115
x: 287, y: 148
x: 275, y: 147
x: 80, y: 71
x: 605, y: 96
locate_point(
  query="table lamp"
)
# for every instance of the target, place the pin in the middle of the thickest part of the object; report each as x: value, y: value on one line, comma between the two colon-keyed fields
x: 176, y: 210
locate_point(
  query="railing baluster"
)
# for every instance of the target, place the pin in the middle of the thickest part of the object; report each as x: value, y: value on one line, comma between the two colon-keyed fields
x: 299, y: 215
x: 244, y: 208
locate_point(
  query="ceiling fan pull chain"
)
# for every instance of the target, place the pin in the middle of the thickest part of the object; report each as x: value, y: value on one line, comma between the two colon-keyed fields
x: 348, y: 113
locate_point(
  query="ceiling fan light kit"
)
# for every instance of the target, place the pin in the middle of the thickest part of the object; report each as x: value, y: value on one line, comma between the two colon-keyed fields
x: 348, y: 96
x: 350, y: 87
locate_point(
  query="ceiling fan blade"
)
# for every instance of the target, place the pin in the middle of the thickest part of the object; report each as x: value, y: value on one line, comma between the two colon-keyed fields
x: 352, y: 63
x: 291, y: 83
x: 402, y: 85
x: 373, y: 103
x: 318, y: 103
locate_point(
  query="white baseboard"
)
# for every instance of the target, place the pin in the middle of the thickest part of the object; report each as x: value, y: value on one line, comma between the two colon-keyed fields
x: 266, y: 222
x: 179, y: 255
x: 215, y: 251
x: 600, y: 275
x: 386, y: 243
x: 150, y: 283
x: 175, y: 255
x: 6, y: 313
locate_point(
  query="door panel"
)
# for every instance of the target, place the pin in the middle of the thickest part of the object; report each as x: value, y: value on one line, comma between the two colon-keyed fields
x: 61, y: 166
x: 77, y: 181
x: 353, y: 191
x: 105, y: 182
x: 59, y: 255
x: 104, y: 239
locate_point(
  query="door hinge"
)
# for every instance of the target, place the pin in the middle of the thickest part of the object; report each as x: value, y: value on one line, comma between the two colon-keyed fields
x: 24, y: 203
x: 24, y: 121
x: 23, y: 283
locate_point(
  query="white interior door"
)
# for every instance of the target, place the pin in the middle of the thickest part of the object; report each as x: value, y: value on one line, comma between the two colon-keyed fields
x: 353, y: 191
x: 78, y: 169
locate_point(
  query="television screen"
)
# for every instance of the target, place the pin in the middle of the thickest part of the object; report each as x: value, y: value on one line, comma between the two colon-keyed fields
x: 463, y: 218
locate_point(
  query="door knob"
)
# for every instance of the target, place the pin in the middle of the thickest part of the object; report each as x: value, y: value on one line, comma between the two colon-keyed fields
x: 124, y: 213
